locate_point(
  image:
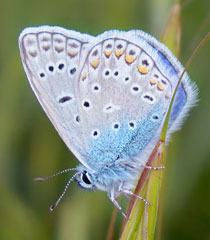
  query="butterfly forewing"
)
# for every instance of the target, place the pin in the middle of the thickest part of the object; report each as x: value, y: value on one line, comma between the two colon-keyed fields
x: 52, y: 59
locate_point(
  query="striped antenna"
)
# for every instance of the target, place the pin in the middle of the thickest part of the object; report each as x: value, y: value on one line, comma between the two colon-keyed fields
x: 52, y: 207
x: 54, y: 175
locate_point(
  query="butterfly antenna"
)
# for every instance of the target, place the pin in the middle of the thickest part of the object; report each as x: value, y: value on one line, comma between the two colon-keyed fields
x: 52, y: 207
x: 54, y: 175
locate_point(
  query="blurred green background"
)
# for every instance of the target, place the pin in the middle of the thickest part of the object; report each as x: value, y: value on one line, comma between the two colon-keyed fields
x: 30, y: 147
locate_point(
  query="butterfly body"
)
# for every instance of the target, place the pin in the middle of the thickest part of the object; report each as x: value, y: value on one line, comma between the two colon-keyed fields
x: 107, y: 97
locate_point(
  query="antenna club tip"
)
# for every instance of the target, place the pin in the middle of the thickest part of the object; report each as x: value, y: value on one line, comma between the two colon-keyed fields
x: 52, y: 207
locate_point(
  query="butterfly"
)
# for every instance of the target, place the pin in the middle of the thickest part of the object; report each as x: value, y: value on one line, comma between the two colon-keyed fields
x: 107, y: 97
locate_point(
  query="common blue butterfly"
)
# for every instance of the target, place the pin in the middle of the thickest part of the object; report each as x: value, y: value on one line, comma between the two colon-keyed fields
x: 107, y: 96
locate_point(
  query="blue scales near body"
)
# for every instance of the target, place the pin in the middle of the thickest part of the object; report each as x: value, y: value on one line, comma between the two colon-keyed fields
x: 127, y: 141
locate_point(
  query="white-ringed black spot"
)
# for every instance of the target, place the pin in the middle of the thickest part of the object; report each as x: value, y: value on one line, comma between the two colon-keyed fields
x: 132, y: 124
x: 116, y: 126
x: 73, y: 70
x: 136, y: 89
x: 126, y: 79
x: 155, y: 75
x: 107, y: 73
x: 65, y: 99
x: 51, y: 68
x: 148, y: 97
x: 155, y: 117
x: 96, y: 88
x: 42, y: 75
x: 116, y: 73
x: 60, y: 66
x: 86, y: 104
x: 95, y: 133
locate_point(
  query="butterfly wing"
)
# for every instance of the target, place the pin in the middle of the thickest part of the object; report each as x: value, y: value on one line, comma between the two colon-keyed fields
x: 52, y: 58
x: 125, y: 87
x: 187, y: 93
x: 106, y: 96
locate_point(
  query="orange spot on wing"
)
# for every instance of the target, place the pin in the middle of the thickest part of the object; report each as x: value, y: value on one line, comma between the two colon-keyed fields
x: 107, y: 53
x: 118, y: 53
x: 160, y: 87
x: 94, y: 63
x: 143, y: 69
x: 72, y: 53
x: 84, y: 76
x: 153, y: 82
x: 129, y: 59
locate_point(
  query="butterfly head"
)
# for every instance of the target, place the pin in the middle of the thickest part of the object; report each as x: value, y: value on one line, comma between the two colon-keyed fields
x: 94, y: 180
x: 85, y: 180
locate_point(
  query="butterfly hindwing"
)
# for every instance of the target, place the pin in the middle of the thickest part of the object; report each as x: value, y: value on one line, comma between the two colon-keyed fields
x: 124, y: 96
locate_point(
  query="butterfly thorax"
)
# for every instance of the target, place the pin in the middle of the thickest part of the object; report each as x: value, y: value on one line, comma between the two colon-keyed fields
x: 115, y: 177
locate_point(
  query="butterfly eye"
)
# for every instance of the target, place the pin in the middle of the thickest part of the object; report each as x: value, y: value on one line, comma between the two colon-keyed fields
x: 85, y: 178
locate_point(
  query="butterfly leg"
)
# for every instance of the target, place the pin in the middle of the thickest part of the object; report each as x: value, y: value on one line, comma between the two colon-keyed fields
x: 128, y: 192
x: 153, y: 168
x: 113, y: 200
